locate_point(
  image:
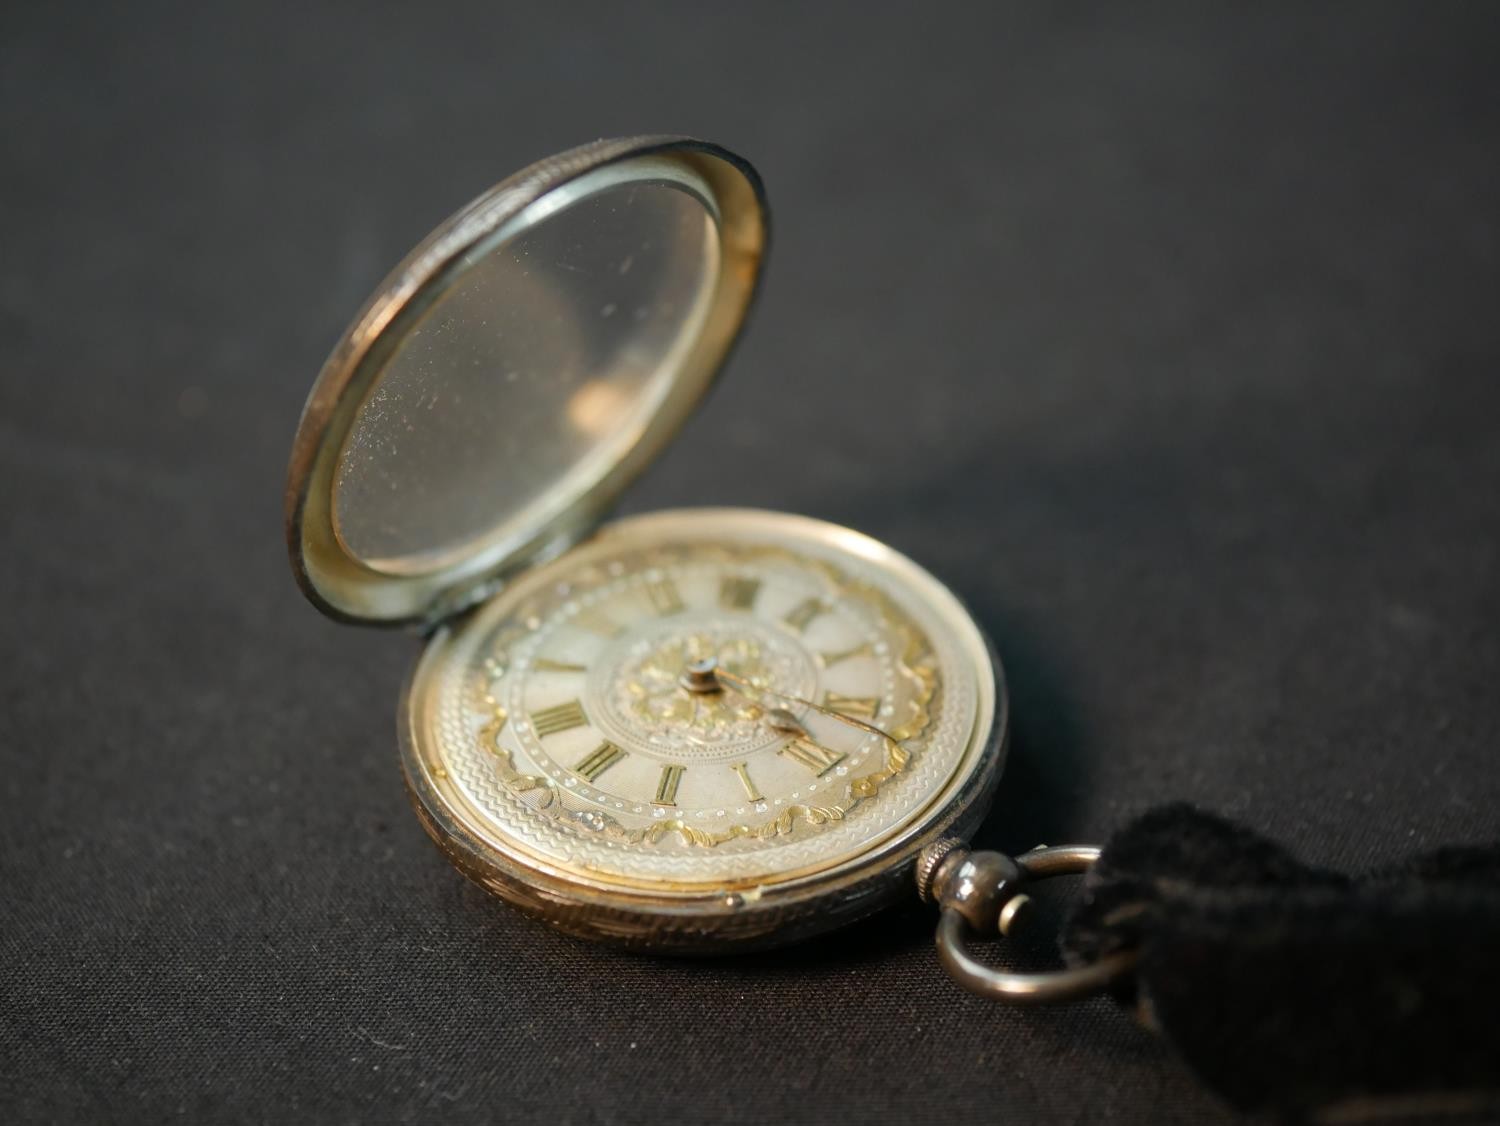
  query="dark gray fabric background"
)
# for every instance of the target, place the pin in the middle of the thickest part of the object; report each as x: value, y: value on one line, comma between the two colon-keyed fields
x: 1167, y: 337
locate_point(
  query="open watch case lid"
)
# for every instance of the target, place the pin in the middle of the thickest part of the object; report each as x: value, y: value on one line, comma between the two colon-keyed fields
x: 517, y: 371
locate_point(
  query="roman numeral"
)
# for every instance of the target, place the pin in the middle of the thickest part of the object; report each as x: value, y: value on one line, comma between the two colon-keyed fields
x: 595, y: 622
x: 737, y: 592
x: 751, y: 790
x: 816, y: 757
x: 865, y: 706
x: 863, y: 649
x: 559, y: 717
x: 600, y: 759
x: 664, y: 596
x: 804, y: 613
x: 547, y: 664
x: 666, y: 789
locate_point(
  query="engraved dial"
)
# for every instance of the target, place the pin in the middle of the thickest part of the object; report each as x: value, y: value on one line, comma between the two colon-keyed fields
x: 698, y: 701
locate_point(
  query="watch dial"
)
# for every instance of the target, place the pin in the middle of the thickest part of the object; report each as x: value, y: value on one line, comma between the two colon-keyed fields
x: 705, y: 699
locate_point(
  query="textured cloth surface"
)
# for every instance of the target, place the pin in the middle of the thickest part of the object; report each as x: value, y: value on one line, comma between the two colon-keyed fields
x: 1298, y: 989
x: 1167, y: 338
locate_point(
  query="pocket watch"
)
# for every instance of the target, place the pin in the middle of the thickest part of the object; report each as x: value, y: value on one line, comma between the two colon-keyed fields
x: 697, y: 730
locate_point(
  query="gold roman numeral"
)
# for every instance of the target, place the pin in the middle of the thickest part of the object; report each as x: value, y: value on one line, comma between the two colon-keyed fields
x: 816, y: 757
x: 804, y: 613
x: 547, y: 664
x: 666, y: 789
x: 559, y: 717
x: 865, y: 706
x: 664, y: 596
x: 600, y: 759
x: 863, y: 649
x: 596, y: 622
x: 751, y: 790
x: 737, y: 592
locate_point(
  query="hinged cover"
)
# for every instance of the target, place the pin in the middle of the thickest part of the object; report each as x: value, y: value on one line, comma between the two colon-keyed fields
x: 517, y: 371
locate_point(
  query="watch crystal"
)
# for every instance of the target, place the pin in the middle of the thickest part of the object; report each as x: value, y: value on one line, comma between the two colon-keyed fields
x: 704, y: 709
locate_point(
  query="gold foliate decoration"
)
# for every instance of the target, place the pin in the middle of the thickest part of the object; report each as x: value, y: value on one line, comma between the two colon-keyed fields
x: 912, y: 653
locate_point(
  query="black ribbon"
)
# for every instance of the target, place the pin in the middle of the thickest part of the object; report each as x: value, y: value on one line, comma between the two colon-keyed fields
x: 1302, y: 991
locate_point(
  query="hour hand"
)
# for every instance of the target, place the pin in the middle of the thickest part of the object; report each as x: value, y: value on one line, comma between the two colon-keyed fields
x: 783, y: 720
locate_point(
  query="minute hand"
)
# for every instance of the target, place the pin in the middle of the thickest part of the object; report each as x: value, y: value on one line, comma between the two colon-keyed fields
x: 747, y: 689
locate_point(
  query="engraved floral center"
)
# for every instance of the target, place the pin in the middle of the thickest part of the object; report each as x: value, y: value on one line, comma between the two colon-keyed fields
x: 644, y: 702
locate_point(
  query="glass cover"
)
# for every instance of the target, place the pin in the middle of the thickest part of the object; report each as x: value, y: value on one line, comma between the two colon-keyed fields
x: 517, y: 371
x: 530, y: 376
